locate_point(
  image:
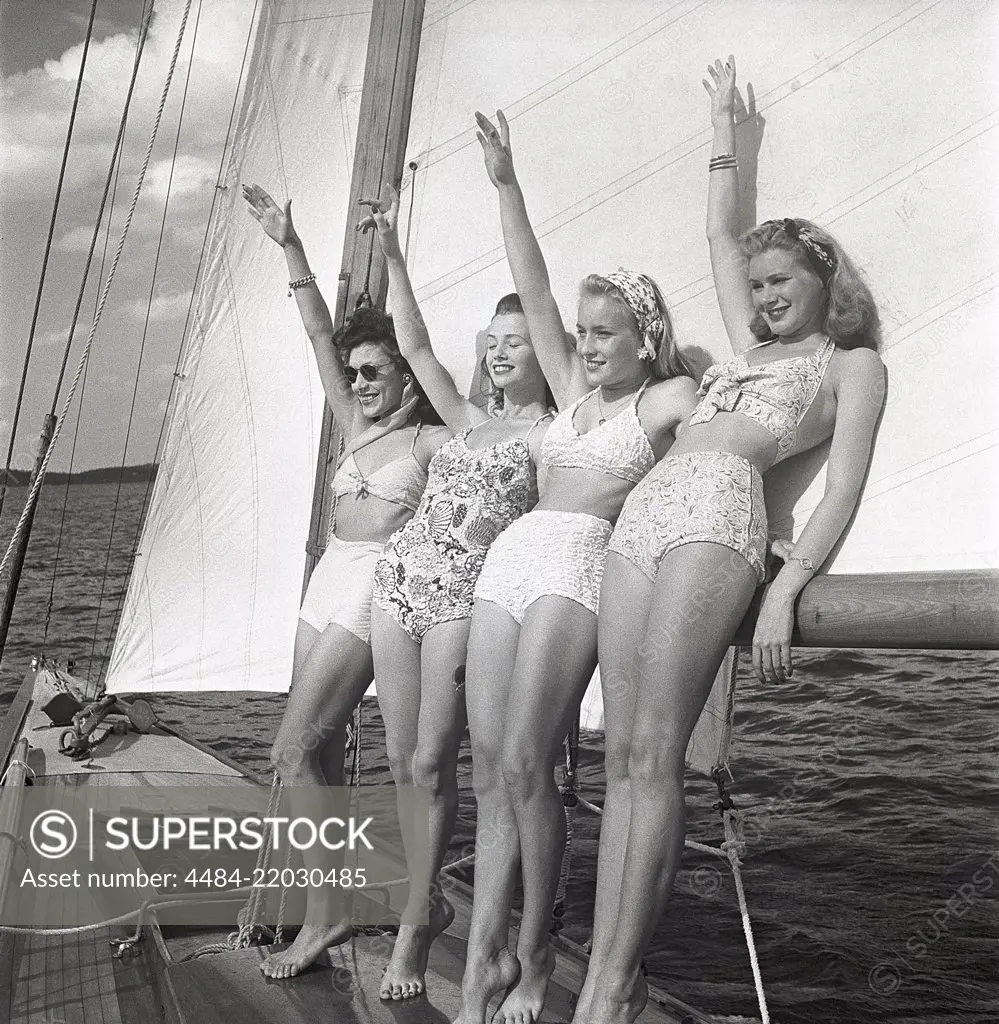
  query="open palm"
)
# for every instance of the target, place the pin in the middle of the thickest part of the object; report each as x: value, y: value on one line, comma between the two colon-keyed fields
x: 277, y: 223
x: 496, y: 148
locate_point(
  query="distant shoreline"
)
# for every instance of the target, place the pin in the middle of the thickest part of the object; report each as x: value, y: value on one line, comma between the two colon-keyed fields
x: 108, y: 475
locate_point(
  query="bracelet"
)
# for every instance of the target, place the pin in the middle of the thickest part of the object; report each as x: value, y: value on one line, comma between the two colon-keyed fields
x: 721, y: 163
x: 300, y: 283
x: 723, y: 156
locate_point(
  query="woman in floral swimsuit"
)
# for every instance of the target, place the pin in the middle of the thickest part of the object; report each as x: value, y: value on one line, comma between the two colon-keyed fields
x: 479, y: 482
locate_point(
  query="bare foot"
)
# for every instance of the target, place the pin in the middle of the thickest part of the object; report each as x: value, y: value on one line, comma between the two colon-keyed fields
x: 310, y: 944
x: 525, y: 1003
x: 619, y: 1004
x: 581, y: 1014
x: 484, y: 979
x: 404, y: 976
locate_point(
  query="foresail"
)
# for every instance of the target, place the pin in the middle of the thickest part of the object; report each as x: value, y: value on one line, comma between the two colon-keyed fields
x: 213, y: 600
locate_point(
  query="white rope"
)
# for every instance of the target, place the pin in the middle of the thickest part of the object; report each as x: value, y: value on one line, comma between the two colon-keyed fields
x: 734, y: 846
x: 732, y: 850
x: 15, y: 762
x: 37, y: 484
x: 468, y: 859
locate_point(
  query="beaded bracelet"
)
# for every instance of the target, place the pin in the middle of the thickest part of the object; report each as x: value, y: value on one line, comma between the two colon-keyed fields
x: 300, y: 283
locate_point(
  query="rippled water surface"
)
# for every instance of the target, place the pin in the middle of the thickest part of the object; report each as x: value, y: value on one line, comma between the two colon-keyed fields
x: 869, y: 787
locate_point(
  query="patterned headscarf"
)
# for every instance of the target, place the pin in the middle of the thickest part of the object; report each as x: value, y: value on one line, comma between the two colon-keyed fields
x: 821, y: 256
x: 641, y: 298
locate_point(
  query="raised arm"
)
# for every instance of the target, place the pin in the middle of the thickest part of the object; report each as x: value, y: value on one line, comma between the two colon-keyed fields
x: 555, y: 351
x: 277, y: 225
x: 410, y: 328
x: 728, y: 265
x: 860, y: 391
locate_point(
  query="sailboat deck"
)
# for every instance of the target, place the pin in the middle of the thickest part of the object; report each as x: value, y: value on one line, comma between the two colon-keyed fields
x: 73, y: 979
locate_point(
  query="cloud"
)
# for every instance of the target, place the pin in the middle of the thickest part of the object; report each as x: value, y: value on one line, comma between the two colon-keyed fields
x: 192, y: 175
x: 167, y: 305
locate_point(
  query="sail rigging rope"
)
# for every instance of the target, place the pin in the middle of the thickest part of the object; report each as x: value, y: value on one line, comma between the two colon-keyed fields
x: 114, y: 172
x: 177, y: 376
x: 37, y: 484
x: 142, y: 349
x: 48, y: 249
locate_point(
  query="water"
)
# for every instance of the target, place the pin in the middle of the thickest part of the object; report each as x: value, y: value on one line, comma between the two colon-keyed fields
x: 869, y: 787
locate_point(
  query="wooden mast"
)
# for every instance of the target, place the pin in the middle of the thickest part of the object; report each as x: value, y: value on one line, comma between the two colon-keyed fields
x: 383, y: 127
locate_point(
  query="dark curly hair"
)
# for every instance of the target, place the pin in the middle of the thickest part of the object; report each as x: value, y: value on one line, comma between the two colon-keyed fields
x: 368, y: 326
x: 852, y: 319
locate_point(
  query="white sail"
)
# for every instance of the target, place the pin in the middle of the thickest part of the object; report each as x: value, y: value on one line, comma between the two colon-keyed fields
x: 213, y: 599
x: 871, y: 125
x: 868, y: 122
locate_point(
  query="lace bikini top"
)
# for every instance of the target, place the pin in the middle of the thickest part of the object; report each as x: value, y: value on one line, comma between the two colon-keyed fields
x: 400, y: 481
x: 617, y: 447
x: 777, y: 395
x: 473, y: 494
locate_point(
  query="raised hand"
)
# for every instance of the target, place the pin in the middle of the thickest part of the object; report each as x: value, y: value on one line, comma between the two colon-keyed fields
x: 383, y: 218
x: 721, y: 89
x: 277, y: 223
x: 496, y: 148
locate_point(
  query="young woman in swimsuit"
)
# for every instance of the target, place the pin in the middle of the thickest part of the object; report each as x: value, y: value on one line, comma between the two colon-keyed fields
x: 391, y: 433
x: 480, y: 481
x: 691, y: 542
x: 622, y: 389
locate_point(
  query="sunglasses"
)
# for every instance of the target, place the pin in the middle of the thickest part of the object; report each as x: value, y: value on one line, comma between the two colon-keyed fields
x: 368, y: 371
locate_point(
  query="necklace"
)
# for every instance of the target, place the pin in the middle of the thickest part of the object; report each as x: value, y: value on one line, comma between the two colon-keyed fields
x: 601, y: 418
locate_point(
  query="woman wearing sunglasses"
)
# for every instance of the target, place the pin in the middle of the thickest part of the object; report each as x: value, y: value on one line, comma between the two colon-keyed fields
x: 390, y: 434
x: 479, y: 482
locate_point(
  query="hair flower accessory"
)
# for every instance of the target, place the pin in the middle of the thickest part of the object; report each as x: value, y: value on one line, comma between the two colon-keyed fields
x: 821, y: 256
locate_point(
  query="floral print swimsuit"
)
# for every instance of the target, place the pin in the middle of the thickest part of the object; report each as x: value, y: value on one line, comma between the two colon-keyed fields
x: 429, y: 569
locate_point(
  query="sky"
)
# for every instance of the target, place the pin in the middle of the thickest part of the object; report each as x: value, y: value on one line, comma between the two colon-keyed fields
x: 41, y: 44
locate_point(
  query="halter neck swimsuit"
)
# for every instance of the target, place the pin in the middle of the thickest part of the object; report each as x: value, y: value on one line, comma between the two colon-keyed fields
x: 777, y: 394
x: 400, y: 481
x: 561, y: 554
x: 339, y: 590
x: 713, y: 496
x: 428, y: 571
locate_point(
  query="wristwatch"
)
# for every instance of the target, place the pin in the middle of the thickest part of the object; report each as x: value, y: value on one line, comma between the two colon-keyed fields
x: 805, y: 563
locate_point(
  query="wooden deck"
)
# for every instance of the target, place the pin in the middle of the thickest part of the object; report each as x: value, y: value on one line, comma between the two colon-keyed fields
x: 73, y: 978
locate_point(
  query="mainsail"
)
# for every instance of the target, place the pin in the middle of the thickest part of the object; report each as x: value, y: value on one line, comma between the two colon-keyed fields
x: 611, y: 136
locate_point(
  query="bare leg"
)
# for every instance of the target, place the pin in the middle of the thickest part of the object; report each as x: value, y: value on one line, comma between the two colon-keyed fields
x: 685, y: 643
x: 398, y: 659
x: 624, y: 602
x: 490, y: 966
x: 556, y: 656
x: 331, y: 671
x: 435, y: 768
